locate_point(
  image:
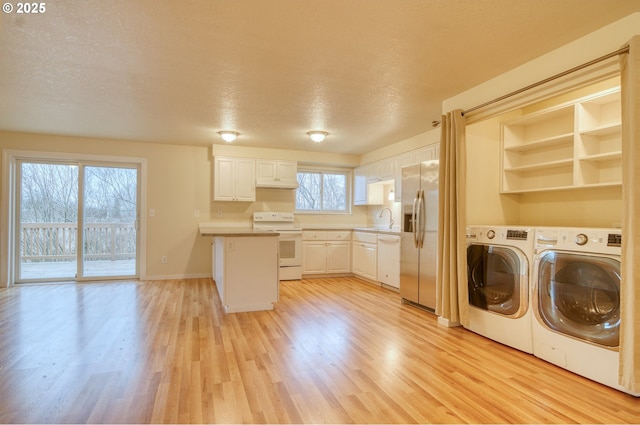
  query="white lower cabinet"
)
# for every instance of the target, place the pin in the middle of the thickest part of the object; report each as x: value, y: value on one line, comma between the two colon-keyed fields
x: 326, y: 252
x: 243, y: 288
x: 365, y: 255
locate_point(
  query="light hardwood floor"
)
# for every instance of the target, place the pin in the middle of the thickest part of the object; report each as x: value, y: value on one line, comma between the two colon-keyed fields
x: 332, y: 351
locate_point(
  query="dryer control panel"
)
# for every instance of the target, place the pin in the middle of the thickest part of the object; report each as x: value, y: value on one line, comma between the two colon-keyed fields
x: 596, y: 240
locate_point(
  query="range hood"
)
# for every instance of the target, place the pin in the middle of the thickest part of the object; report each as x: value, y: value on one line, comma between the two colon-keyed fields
x: 272, y: 184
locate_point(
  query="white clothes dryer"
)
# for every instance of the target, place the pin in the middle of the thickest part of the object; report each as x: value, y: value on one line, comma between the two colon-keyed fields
x: 576, y: 300
x: 499, y: 264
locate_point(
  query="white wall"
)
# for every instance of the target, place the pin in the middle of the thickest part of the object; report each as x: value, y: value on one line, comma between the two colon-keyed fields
x: 598, y: 43
x: 179, y: 183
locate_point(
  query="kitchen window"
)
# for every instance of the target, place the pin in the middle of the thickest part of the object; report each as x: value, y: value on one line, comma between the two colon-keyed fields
x: 323, y: 191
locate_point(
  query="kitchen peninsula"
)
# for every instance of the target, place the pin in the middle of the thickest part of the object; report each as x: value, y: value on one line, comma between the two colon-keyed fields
x: 246, y: 267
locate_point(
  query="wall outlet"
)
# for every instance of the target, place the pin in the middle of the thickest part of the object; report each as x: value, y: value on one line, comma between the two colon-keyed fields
x: 152, y: 212
x: 164, y: 259
x: 196, y: 213
x: 219, y: 214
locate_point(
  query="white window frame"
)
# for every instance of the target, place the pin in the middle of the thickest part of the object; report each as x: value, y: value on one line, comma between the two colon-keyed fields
x: 7, y: 210
x: 329, y: 170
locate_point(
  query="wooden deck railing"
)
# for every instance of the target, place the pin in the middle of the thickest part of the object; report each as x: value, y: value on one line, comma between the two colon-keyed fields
x: 58, y: 241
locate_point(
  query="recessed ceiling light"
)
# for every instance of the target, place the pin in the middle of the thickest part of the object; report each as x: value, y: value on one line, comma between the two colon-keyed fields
x: 228, y: 136
x: 317, y: 136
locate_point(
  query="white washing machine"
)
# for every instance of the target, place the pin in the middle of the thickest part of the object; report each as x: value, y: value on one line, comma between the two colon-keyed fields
x: 499, y: 264
x: 576, y: 300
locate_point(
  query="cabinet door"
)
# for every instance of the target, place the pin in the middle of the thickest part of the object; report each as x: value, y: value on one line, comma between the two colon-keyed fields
x: 245, y: 180
x: 287, y: 173
x: 370, y: 261
x: 338, y: 257
x: 373, y: 172
x: 357, y: 257
x: 360, y: 182
x: 364, y: 260
x: 400, y: 161
x: 272, y: 173
x: 387, y: 167
x: 265, y: 171
x: 223, y: 179
x: 314, y: 257
x: 426, y: 154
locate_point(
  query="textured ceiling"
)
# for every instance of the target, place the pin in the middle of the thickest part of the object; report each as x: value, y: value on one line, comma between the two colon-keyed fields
x: 370, y: 72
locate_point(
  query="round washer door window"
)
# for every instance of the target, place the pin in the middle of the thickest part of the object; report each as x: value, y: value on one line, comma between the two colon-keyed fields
x: 579, y: 295
x: 496, y: 280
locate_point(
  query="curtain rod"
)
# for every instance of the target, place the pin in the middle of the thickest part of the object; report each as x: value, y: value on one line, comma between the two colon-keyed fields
x: 546, y: 80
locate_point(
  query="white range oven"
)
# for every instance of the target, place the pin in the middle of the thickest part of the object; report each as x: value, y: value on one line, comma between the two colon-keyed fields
x: 290, y: 241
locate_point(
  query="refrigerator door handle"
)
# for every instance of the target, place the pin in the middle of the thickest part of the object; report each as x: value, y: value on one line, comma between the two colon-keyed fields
x: 414, y: 221
x: 420, y: 225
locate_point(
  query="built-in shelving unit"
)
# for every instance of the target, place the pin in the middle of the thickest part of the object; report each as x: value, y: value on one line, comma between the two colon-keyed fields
x: 573, y: 145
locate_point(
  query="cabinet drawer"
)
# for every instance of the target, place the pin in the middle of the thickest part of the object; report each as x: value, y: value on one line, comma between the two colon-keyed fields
x: 312, y: 235
x: 339, y: 235
x: 365, y: 237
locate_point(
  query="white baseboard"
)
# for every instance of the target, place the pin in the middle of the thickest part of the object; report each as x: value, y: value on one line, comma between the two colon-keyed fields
x: 446, y: 322
x: 177, y: 276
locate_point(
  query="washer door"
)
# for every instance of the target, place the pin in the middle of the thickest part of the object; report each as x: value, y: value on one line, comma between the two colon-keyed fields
x: 579, y: 295
x: 498, y: 279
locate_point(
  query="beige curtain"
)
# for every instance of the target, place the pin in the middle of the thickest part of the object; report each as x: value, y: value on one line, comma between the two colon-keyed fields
x: 451, y: 293
x: 629, y: 372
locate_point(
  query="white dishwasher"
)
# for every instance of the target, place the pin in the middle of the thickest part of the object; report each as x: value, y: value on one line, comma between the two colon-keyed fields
x: 389, y: 259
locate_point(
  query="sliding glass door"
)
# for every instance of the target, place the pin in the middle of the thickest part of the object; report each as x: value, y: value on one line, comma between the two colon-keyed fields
x: 110, y: 216
x: 76, y: 221
x: 48, y: 225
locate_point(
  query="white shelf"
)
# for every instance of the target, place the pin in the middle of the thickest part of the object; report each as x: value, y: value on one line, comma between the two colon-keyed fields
x: 608, y: 156
x: 572, y: 146
x: 542, y: 143
x: 542, y: 189
x: 541, y: 166
x: 603, y: 130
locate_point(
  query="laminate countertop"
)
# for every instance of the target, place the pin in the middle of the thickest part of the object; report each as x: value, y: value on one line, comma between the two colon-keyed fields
x: 321, y: 228
x: 207, y: 229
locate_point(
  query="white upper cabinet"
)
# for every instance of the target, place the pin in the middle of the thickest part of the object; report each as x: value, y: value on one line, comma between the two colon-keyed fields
x: 234, y: 179
x: 365, y: 177
x: 381, y: 170
x: 365, y: 193
x: 276, y: 174
x: 360, y: 182
x: 426, y: 153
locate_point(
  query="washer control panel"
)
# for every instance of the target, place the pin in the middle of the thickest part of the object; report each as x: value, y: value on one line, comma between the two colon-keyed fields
x: 594, y: 240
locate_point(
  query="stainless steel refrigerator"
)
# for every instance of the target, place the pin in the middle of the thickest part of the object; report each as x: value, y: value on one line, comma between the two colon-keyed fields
x: 419, y: 236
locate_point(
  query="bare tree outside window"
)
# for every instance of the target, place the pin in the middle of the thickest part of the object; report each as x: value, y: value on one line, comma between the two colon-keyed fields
x: 49, y: 231
x: 110, y: 194
x: 49, y: 193
x: 322, y: 191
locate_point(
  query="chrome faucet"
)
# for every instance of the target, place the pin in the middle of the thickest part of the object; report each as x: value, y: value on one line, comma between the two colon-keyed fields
x: 390, y: 216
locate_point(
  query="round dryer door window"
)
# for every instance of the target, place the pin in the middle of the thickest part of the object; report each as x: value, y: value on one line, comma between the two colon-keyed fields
x: 497, y: 279
x: 579, y: 295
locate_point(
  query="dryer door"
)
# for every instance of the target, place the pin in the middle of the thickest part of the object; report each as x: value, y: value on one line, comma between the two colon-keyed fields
x: 579, y: 295
x: 498, y: 279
